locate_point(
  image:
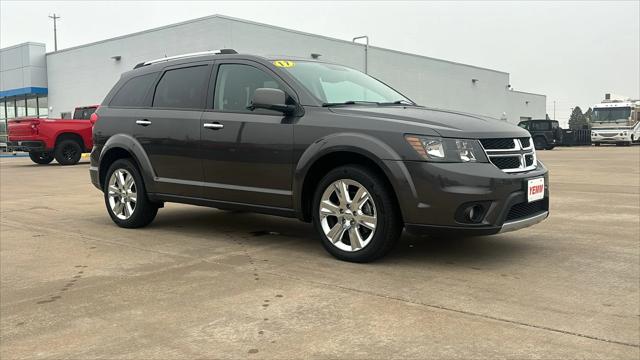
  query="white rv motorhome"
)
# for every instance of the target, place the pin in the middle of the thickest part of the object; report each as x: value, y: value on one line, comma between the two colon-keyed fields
x: 615, y: 121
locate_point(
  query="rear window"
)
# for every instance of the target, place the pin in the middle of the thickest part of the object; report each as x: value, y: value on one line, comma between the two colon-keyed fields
x: 182, y: 88
x: 134, y: 92
x: 83, y: 113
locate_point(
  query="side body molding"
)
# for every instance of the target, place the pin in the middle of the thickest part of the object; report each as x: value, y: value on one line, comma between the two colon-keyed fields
x: 130, y: 144
x: 368, y: 146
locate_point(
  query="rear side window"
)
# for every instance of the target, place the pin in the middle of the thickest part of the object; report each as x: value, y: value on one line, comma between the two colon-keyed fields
x: 182, y: 88
x: 134, y: 91
x: 540, y: 126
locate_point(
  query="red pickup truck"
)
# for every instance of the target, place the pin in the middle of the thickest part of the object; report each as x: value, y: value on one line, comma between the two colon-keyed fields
x: 46, y: 139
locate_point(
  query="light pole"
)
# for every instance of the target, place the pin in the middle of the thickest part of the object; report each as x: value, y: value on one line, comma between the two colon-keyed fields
x: 55, y: 33
x: 366, y: 51
x: 554, y: 109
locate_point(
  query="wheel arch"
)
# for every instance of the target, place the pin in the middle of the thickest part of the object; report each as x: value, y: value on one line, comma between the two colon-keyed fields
x: 330, y: 153
x: 70, y: 136
x: 123, y: 146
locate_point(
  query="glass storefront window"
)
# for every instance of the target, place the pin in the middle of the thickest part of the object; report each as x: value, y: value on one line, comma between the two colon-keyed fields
x: 21, y: 107
x: 43, y: 106
x: 11, y: 110
x: 3, y: 114
x: 32, y: 107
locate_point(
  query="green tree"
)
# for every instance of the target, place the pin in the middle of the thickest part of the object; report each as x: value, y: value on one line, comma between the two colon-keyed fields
x: 577, y: 119
x: 587, y: 116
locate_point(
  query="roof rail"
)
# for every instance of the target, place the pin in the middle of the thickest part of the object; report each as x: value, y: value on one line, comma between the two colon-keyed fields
x: 185, y: 56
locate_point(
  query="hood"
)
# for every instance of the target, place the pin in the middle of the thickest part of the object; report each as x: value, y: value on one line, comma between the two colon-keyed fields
x: 446, y: 123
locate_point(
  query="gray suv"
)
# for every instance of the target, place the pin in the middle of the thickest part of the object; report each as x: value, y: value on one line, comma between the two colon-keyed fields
x: 312, y: 140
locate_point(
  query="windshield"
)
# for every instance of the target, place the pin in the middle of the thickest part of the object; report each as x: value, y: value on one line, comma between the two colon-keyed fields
x: 333, y: 84
x: 610, y: 114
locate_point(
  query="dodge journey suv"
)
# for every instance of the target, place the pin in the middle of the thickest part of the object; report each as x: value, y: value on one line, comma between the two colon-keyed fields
x: 317, y: 141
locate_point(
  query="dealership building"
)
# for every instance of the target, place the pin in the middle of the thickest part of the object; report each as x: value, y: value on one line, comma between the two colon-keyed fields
x: 36, y: 83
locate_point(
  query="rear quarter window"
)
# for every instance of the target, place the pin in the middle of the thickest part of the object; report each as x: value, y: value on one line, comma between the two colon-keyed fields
x: 134, y: 92
x: 182, y: 88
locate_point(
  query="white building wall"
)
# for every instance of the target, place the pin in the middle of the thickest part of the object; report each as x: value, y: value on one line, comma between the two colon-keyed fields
x: 23, y: 65
x: 441, y: 84
x: 83, y: 75
x: 525, y: 105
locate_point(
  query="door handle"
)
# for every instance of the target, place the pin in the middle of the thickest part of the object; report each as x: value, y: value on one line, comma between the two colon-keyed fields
x: 213, y: 126
x: 143, y: 122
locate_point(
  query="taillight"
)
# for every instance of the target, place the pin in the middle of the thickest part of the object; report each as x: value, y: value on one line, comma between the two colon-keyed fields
x: 94, y: 117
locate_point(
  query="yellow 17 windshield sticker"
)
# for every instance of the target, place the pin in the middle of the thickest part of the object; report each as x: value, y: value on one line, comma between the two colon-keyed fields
x: 284, y: 63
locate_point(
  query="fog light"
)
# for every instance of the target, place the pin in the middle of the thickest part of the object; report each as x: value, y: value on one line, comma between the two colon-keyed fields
x: 474, y: 213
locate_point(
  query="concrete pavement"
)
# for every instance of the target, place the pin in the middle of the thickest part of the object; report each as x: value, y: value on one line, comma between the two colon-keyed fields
x: 204, y: 283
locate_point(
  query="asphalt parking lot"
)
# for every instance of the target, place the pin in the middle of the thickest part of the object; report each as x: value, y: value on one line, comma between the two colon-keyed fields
x: 204, y: 283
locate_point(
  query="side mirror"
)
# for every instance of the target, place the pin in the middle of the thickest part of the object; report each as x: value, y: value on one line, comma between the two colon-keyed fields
x: 271, y: 99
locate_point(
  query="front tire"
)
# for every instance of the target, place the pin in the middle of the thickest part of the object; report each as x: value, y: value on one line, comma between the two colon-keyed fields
x: 356, y: 214
x: 41, y: 157
x: 125, y: 196
x: 68, y: 152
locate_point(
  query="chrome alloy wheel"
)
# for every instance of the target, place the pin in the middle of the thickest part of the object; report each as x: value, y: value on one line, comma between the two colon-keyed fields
x: 122, y: 193
x: 348, y: 215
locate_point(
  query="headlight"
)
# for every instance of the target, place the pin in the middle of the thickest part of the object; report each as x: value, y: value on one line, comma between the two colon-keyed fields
x: 447, y: 150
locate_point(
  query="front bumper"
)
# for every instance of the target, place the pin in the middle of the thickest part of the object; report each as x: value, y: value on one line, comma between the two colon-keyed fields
x: 94, y: 169
x: 435, y: 194
x: 524, y: 222
x: 610, y: 136
x: 26, y: 145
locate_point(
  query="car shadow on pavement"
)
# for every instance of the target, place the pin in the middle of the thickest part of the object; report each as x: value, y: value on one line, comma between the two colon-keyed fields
x: 7, y: 165
x: 473, y: 251
x: 258, y: 229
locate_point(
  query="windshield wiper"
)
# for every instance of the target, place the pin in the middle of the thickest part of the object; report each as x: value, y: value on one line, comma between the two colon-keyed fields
x: 350, y: 102
x: 399, y: 102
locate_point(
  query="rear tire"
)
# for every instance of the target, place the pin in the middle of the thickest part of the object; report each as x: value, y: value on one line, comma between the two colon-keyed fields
x: 126, y: 197
x: 372, y: 207
x: 41, y: 157
x: 68, y: 152
x: 540, y: 143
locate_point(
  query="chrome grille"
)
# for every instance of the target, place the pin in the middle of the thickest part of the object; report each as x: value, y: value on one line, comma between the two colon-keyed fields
x: 510, y: 155
x: 526, y: 142
x: 506, y: 162
x: 502, y: 144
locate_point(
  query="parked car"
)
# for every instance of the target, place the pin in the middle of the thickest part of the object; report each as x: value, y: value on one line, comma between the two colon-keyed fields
x: 46, y: 139
x: 546, y: 134
x: 312, y: 140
